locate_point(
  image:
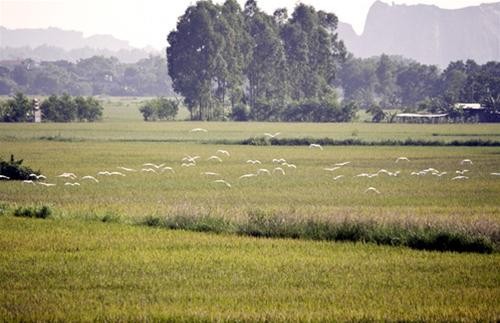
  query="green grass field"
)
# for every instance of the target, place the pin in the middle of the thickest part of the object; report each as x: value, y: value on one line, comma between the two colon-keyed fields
x: 93, y: 259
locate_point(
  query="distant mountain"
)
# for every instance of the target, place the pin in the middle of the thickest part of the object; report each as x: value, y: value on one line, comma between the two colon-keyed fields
x: 56, y: 44
x: 428, y: 34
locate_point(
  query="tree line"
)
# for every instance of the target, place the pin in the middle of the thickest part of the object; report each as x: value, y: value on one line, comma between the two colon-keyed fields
x: 392, y: 82
x: 64, y: 108
x: 228, y: 61
x: 97, y: 75
x: 241, y: 63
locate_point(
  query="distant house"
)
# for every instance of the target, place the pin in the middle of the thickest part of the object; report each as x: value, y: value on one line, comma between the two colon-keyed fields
x: 421, y: 117
x: 468, y: 106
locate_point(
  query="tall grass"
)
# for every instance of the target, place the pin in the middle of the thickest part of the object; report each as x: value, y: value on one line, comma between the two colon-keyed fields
x: 306, y: 141
x: 261, y: 223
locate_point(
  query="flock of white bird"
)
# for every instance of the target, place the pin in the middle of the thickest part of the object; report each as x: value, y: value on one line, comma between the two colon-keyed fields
x: 280, y: 167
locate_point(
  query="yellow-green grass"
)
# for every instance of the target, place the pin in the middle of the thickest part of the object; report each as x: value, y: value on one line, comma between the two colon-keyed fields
x: 85, y: 271
x: 180, y: 131
x: 307, y: 191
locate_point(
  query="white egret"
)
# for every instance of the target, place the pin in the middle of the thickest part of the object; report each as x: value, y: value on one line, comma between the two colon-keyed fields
x: 198, y: 130
x: 466, y: 161
x: 91, y: 178
x: 222, y: 182
x: 71, y: 184
x: 47, y: 184
x: 126, y: 169
x: 67, y: 175
x: 459, y: 178
x: 210, y: 174
x: 402, y: 159
x: 170, y: 169
x: 263, y: 171
x: 224, y: 152
x: 216, y: 158
x: 272, y: 135
x: 247, y: 176
x: 154, y: 165
x: 279, y: 169
x: 37, y: 176
x: 372, y: 189
x: 317, y: 146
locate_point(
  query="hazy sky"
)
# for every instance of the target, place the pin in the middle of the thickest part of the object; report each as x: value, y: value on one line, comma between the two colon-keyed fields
x: 147, y: 22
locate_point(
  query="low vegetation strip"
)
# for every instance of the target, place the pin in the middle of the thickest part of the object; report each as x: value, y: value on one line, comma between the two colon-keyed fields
x: 270, y: 225
x: 306, y: 141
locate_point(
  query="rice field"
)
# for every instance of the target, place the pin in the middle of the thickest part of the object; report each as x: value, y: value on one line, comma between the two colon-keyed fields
x: 95, y: 247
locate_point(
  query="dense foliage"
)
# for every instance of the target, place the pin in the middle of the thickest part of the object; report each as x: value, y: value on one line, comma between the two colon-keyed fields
x: 92, y: 76
x: 14, y: 170
x: 159, y: 109
x: 390, y: 82
x: 244, y: 63
x: 55, y: 108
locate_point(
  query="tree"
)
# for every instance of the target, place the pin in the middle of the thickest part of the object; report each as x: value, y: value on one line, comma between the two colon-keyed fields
x: 159, y: 108
x: 17, y: 109
x: 194, y: 54
x: 266, y: 71
x: 416, y: 83
x: 312, y: 52
x: 88, y: 109
x: 59, y: 109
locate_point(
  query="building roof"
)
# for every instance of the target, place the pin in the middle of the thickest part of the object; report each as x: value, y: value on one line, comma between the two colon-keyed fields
x: 418, y: 115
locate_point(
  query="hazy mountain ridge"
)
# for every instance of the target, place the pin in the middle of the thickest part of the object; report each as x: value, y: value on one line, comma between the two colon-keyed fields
x: 428, y: 34
x: 52, y: 44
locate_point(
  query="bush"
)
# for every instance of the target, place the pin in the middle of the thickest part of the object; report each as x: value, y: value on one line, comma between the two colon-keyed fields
x: 15, y: 171
x: 33, y: 212
x: 159, y: 109
x: 16, y: 109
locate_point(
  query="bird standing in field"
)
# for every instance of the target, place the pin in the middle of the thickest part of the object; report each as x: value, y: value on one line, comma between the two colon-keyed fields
x: 466, y: 161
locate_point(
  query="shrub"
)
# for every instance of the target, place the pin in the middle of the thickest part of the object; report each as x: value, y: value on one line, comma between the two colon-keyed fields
x: 14, y: 169
x: 16, y: 109
x: 159, y: 109
x: 33, y: 212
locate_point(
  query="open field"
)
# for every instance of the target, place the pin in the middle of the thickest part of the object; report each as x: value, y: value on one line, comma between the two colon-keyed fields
x: 85, y: 271
x: 96, y: 260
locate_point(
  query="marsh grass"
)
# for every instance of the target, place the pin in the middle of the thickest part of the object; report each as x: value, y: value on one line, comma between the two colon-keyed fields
x: 265, y: 224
